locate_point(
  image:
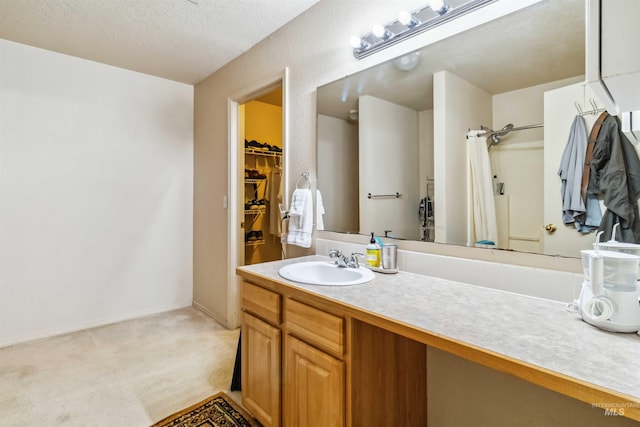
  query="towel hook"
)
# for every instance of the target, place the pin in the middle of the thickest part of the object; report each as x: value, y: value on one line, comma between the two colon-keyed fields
x: 579, y: 108
x: 304, y: 175
x: 594, y: 105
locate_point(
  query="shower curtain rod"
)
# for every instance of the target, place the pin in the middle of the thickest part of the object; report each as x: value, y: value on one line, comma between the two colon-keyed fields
x: 498, y: 132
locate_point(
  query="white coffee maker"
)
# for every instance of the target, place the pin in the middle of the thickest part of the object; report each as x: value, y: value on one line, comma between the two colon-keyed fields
x: 609, y: 294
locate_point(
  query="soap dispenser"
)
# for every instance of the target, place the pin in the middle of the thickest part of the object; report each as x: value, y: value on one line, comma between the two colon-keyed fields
x: 373, y: 253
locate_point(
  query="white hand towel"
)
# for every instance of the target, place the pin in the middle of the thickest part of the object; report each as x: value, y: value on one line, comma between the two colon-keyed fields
x: 319, y: 211
x: 298, y: 200
x: 301, y: 218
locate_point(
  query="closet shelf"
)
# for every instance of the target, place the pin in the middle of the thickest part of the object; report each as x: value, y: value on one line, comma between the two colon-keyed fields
x: 255, y: 243
x: 254, y: 181
x: 262, y: 153
x: 255, y: 211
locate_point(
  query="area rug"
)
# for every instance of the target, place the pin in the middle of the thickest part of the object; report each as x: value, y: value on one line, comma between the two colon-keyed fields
x: 218, y: 410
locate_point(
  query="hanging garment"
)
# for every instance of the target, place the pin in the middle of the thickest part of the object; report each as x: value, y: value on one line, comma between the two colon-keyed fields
x: 615, y: 177
x: 273, y: 195
x: 484, y: 209
x: 586, y: 217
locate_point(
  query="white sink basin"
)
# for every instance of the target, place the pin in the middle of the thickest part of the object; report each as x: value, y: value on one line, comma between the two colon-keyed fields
x: 325, y: 273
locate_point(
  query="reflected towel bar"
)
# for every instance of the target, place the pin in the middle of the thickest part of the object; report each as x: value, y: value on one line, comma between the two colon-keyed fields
x: 384, y: 196
x: 524, y: 239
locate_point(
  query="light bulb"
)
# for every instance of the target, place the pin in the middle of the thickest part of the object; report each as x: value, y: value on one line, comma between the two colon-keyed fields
x: 406, y: 19
x: 380, y: 32
x: 438, y: 6
x: 355, y: 42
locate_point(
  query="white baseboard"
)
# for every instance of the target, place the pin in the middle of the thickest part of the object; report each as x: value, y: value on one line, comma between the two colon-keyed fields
x: 211, y: 314
x: 94, y: 324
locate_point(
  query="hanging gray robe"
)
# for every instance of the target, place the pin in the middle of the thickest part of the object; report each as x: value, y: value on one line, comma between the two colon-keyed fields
x: 586, y: 218
x: 615, y: 178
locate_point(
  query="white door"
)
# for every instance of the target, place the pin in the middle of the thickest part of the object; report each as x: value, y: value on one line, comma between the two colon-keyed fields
x: 559, y: 113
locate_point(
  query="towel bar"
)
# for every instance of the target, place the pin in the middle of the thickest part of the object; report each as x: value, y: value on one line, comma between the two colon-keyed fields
x: 384, y: 196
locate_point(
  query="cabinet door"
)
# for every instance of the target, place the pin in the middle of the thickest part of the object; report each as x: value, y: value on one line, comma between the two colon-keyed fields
x: 261, y: 369
x: 314, y: 387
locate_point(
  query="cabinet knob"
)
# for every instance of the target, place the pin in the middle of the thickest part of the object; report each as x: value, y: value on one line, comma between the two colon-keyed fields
x: 550, y: 228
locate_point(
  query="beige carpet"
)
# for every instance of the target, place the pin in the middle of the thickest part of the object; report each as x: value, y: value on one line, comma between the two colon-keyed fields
x: 129, y: 374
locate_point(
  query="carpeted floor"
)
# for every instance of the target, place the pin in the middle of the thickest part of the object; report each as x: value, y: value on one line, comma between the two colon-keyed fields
x: 217, y: 411
x: 131, y: 373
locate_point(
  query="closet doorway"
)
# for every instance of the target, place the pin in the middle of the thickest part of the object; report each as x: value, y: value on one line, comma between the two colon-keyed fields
x: 255, y: 113
x: 263, y: 197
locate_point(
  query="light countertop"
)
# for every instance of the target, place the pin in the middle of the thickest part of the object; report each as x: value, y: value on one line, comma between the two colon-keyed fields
x: 533, y: 331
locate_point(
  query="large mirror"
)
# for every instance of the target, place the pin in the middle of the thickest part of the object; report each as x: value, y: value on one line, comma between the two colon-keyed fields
x: 391, y: 139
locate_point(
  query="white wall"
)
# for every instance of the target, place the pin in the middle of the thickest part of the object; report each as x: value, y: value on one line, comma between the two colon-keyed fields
x: 388, y: 164
x: 338, y: 179
x: 457, y: 106
x: 96, y: 182
x: 425, y: 124
x: 426, y: 167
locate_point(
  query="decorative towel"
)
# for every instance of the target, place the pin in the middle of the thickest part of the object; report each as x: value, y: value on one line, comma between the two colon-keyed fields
x: 301, y: 218
x: 319, y: 211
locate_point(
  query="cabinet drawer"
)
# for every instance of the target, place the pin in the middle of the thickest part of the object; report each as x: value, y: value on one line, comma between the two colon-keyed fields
x: 261, y: 302
x: 317, y: 327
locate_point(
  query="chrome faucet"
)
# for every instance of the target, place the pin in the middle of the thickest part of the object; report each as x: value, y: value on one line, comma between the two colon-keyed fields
x: 343, y: 261
x: 353, y: 261
x: 338, y: 257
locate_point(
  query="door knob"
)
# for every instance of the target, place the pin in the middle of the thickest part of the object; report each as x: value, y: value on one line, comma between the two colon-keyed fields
x: 550, y: 228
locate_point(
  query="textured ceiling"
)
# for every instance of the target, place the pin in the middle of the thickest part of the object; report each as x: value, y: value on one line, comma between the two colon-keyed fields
x: 182, y: 40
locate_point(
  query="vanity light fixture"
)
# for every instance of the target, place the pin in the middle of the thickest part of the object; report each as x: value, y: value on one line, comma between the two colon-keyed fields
x: 408, y: 24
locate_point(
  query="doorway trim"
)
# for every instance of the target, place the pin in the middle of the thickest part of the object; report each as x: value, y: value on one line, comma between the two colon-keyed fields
x: 235, y: 257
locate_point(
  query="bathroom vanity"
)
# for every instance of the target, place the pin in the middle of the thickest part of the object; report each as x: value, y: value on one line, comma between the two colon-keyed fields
x: 357, y: 355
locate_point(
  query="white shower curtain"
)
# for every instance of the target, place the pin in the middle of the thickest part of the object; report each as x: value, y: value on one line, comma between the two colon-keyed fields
x: 484, y: 209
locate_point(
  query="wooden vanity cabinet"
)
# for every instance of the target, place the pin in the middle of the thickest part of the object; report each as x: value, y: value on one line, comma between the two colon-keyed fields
x: 314, y: 386
x: 308, y: 385
x: 314, y: 376
x: 307, y: 361
x: 261, y: 354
